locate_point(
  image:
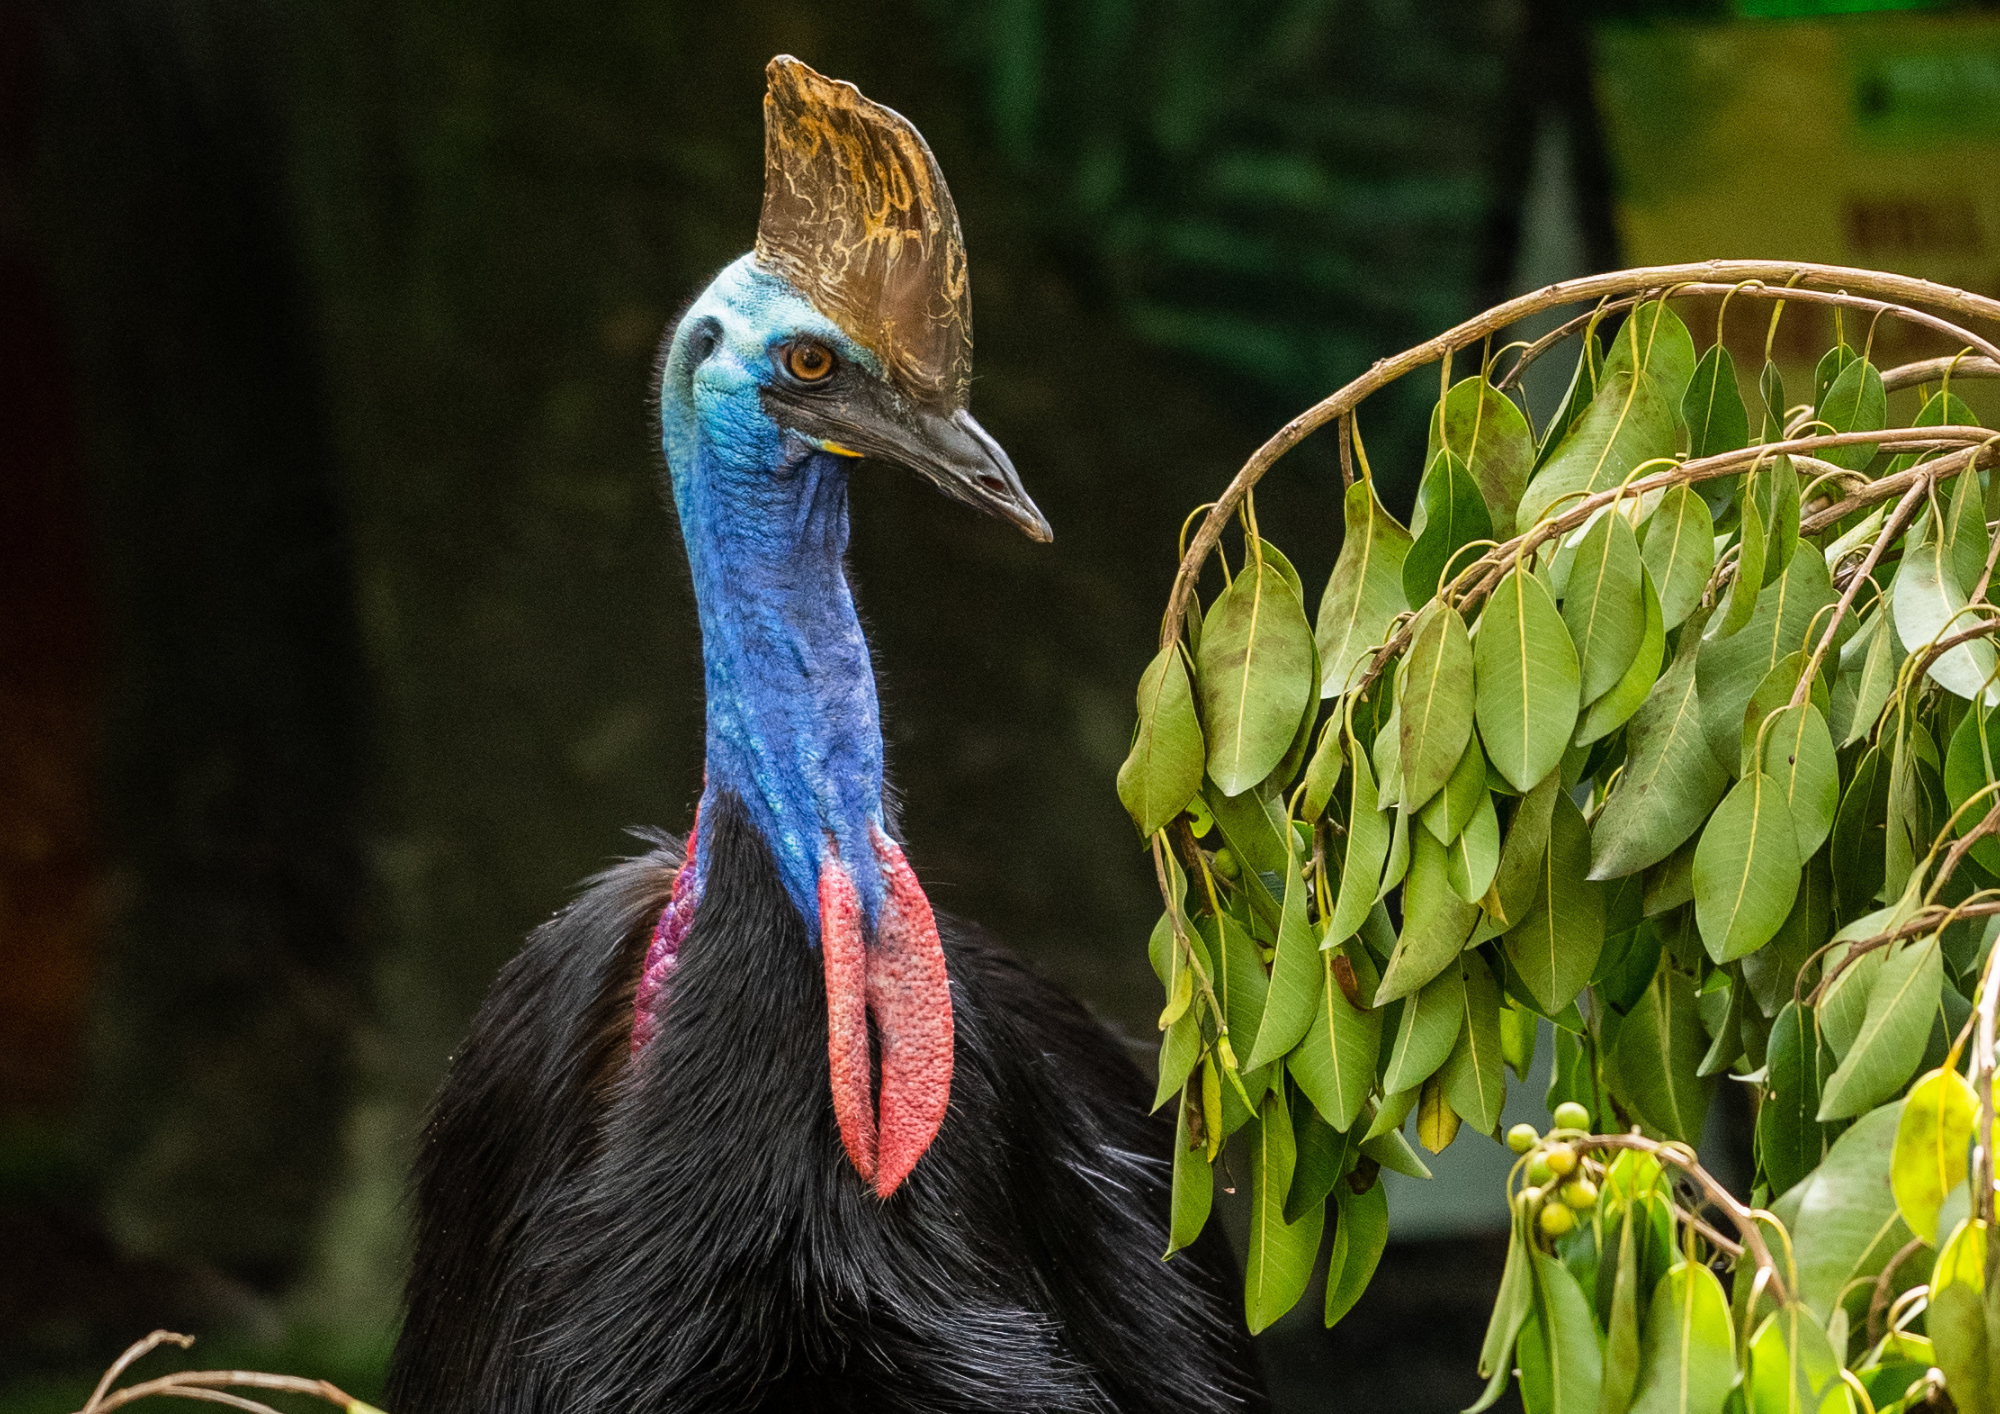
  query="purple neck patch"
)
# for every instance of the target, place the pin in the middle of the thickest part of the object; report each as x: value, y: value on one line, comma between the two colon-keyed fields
x: 663, y: 954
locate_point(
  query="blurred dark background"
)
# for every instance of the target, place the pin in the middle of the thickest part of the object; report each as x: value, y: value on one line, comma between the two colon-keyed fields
x: 342, y: 630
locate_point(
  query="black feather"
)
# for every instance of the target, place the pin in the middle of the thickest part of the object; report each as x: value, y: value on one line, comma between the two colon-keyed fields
x: 684, y: 1233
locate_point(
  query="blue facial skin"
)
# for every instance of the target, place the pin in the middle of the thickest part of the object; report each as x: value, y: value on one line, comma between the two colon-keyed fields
x: 793, y: 727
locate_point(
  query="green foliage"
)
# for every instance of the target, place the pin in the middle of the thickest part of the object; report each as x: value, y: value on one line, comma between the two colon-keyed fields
x: 1680, y: 743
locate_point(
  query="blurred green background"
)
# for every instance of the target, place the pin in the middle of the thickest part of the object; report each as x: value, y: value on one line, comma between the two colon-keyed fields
x: 342, y: 629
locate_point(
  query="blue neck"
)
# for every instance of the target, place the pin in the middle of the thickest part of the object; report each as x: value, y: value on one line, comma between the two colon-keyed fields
x: 793, y: 726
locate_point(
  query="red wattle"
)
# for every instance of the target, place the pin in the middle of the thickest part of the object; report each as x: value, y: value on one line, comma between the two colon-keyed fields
x: 909, y: 995
x: 845, y: 957
x: 900, y: 981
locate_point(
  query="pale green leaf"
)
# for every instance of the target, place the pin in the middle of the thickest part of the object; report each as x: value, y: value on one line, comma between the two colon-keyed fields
x: 1798, y: 757
x: 1615, y: 708
x: 1488, y: 432
x: 1627, y: 423
x: 1474, y: 1075
x: 1425, y: 1032
x: 1670, y: 782
x: 1931, y: 1148
x: 1526, y: 681
x: 1436, y: 921
x: 1679, y: 552
x: 1890, y: 1044
x: 1278, y: 1256
x: 1254, y: 675
x: 1929, y: 606
x: 1556, y: 946
x: 1335, y: 1064
x: 1689, y: 1352
x: 1847, y: 1226
x: 1163, y: 771
x: 1434, y: 702
x: 1365, y: 592
x: 1359, y: 1237
x: 1746, y: 869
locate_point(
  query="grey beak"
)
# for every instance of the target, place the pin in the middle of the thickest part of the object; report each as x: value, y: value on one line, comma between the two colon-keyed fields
x: 957, y: 455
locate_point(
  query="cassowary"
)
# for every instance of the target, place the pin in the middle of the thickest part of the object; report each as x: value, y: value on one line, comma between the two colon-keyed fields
x: 747, y: 1126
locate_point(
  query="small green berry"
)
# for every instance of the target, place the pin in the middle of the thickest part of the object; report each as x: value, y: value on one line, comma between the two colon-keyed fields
x: 1527, y: 1198
x: 1580, y: 1193
x: 1522, y: 1137
x: 1538, y: 1169
x: 1570, y: 1115
x: 1556, y: 1219
x: 1561, y: 1159
x: 1225, y: 863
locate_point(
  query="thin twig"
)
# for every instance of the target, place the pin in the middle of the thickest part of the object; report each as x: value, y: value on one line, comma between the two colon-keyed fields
x: 1878, y: 1305
x: 1906, y: 509
x: 1930, y: 370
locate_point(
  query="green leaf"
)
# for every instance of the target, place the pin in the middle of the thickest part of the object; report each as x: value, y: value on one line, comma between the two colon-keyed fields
x: 1971, y: 763
x: 1728, y: 671
x: 1746, y: 869
x: 1474, y: 1075
x: 1164, y: 770
x: 1278, y: 1257
x: 1929, y: 606
x: 1615, y: 708
x: 1527, y: 681
x: 1775, y: 487
x: 1793, y: 1368
x: 1843, y: 1007
x: 1670, y: 781
x: 1789, y: 1136
x: 1437, y: 1121
x: 1572, y: 1364
x: 1393, y: 1152
x: 1434, y: 702
x: 1254, y: 674
x: 1798, y: 757
x: 1365, y: 592
x: 1679, y: 552
x: 1653, y: 338
x: 1885, y: 1054
x: 1753, y: 542
x: 1882, y: 655
x: 1295, y: 971
x: 1855, y: 403
x: 1194, y: 1181
x: 1658, y: 1050
x: 1335, y: 1064
x: 1367, y: 848
x: 1450, y: 514
x: 1857, y: 851
x: 1452, y: 808
x: 1511, y: 1307
x: 1436, y: 921
x: 1322, y: 1161
x: 1555, y: 947
x: 1847, y: 1226
x: 1489, y: 433
x: 1473, y: 857
x: 1359, y: 1237
x: 1425, y: 1032
x: 1240, y: 983
x: 1771, y: 394
x: 1517, y: 882
x: 1713, y: 407
x: 1627, y: 423
x: 1956, y: 1318
x: 1965, y: 533
x: 1603, y: 605
x: 1931, y: 1140
x: 1621, y: 1326
x: 1690, y: 1352
x: 1323, y: 773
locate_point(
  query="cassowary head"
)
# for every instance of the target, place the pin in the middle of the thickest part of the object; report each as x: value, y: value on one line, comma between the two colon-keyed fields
x: 846, y: 334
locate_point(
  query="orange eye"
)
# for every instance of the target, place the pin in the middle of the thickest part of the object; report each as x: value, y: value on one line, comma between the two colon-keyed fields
x: 808, y: 362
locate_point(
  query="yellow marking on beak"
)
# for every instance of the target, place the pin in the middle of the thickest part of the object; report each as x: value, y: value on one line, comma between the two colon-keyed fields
x: 838, y: 450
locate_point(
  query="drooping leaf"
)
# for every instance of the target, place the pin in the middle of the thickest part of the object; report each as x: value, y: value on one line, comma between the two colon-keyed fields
x: 1679, y: 552
x: 1437, y: 1121
x: 1855, y: 403
x: 1555, y: 947
x: 1367, y: 847
x: 1658, y: 1051
x: 1436, y: 921
x: 1488, y: 432
x: 1746, y: 869
x: 1604, y: 607
x: 1194, y: 1181
x: 1753, y: 550
x: 1843, y: 1006
x: 1254, y: 675
x: 1689, y: 1351
x: 1774, y: 485
x: 1323, y: 1158
x: 1956, y: 1319
x: 1627, y: 423
x: 1323, y: 773
x: 1573, y: 1364
x: 1881, y: 655
x: 1163, y: 771
x: 1615, y: 708
x: 1621, y: 1324
x: 1857, y: 851
x: 1361, y: 1234
x: 1453, y: 807
x: 1930, y: 1157
x: 1526, y: 675
x: 1517, y: 881
x: 1729, y: 670
x: 1474, y: 1075
x: 1295, y: 976
x: 1971, y: 764
x: 1713, y: 406
x: 1793, y: 1367
x: 1365, y: 592
x: 1425, y: 1032
x: 1929, y: 606
x: 1798, y: 757
x: 1512, y: 1305
x: 1890, y: 1044
x: 1771, y: 396
x: 1654, y: 338
x: 1335, y: 1064
x: 1474, y: 856
x: 1434, y: 703
x: 1240, y: 983
x: 1670, y: 781
x: 1450, y: 514
x: 1789, y: 1136
x: 1847, y: 1226
x: 1278, y: 1257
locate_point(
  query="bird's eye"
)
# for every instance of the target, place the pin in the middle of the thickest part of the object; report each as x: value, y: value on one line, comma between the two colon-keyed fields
x: 808, y: 362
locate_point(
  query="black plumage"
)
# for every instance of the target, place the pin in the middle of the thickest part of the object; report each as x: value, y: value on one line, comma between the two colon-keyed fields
x: 681, y: 1231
